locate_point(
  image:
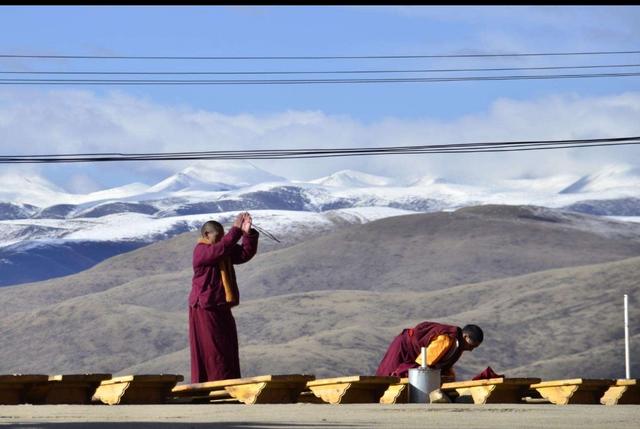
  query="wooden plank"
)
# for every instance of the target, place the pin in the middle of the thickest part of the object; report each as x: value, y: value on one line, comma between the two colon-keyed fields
x: 188, y: 399
x: 362, y: 379
x: 489, y: 381
x: 266, y: 389
x: 623, y: 392
x: 22, y: 378
x: 501, y: 390
x: 351, y: 390
x: 144, y: 378
x: 82, y: 378
x: 13, y: 387
x: 307, y: 397
x: 136, y: 389
x: 573, y: 391
x: 219, y: 394
x: 488, y: 391
x: 397, y: 393
x: 276, y: 389
x: 216, y: 396
x: 186, y: 389
x: 66, y: 389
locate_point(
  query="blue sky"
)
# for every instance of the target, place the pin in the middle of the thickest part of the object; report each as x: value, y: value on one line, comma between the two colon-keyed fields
x: 241, y: 117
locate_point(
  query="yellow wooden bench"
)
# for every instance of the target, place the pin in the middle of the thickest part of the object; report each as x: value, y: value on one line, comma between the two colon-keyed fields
x: 65, y: 389
x: 136, y: 389
x: 501, y: 390
x: 358, y: 389
x: 396, y: 393
x: 489, y: 391
x: 624, y: 391
x: 573, y: 391
x: 13, y: 387
x: 266, y: 389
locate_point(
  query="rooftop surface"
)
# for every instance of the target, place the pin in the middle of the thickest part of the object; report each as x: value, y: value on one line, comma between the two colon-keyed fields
x: 320, y: 416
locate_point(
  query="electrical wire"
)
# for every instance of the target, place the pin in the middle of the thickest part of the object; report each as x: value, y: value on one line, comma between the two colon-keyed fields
x: 519, y: 143
x: 300, y: 81
x: 294, y: 72
x: 483, y: 147
x: 312, y: 57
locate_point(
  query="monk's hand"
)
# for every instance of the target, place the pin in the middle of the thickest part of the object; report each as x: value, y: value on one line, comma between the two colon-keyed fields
x: 246, y: 223
x: 239, y: 220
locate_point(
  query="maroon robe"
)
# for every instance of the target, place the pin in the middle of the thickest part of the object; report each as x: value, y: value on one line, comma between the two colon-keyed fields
x: 405, y: 348
x: 487, y: 373
x: 213, y: 338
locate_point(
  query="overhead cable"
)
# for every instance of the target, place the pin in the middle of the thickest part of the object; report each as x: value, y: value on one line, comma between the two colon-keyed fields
x: 315, y: 57
x: 302, y: 81
x: 294, y: 72
x: 324, y: 153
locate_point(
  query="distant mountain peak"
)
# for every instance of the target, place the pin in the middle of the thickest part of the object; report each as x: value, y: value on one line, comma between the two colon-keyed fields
x: 615, y: 176
x: 429, y: 180
x: 215, y: 175
x: 28, y: 188
x: 353, y: 178
x: 28, y: 181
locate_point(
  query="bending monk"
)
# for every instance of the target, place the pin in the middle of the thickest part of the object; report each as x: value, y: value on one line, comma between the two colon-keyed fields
x: 444, y: 343
x: 213, y: 338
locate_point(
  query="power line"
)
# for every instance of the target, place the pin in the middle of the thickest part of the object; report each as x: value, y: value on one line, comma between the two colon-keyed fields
x: 311, y: 57
x: 302, y: 81
x: 324, y: 153
x: 276, y: 72
x: 438, y: 146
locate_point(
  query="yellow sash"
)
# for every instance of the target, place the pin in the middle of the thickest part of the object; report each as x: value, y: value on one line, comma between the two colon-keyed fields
x: 228, y: 279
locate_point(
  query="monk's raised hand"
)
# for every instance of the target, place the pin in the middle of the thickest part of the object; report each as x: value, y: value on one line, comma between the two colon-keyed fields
x: 246, y: 223
x: 239, y: 220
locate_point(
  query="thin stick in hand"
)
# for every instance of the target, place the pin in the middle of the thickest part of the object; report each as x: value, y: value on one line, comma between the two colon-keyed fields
x: 265, y: 232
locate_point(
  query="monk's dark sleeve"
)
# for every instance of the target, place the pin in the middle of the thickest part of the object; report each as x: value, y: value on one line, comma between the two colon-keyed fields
x: 242, y: 254
x: 210, y: 254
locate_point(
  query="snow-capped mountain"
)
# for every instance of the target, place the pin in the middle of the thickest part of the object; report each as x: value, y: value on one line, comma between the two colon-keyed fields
x: 31, y: 189
x: 41, y: 223
x: 353, y: 179
x: 125, y: 191
x: 547, y: 185
x: 16, y: 211
x: 227, y: 186
x: 215, y: 176
x: 612, y: 178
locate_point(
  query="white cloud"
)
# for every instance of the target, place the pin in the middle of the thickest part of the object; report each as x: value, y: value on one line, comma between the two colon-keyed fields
x: 548, y: 28
x: 79, y: 121
x: 82, y: 184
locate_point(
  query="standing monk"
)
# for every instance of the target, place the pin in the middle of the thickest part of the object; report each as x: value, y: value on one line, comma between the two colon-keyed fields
x: 213, y: 338
x: 444, y: 343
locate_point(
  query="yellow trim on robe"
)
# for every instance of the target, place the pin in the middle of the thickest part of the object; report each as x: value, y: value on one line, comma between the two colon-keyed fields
x: 437, y: 349
x: 227, y: 282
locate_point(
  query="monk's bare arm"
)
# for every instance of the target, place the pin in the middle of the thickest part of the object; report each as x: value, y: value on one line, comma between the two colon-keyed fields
x: 211, y: 253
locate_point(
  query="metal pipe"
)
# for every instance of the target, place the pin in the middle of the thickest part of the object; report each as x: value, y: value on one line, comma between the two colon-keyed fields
x: 626, y: 337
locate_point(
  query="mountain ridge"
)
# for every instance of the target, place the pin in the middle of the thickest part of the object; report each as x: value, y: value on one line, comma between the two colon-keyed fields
x: 130, y: 219
x: 346, y: 332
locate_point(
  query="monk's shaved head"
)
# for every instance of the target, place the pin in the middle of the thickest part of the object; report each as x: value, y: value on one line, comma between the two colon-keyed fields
x: 474, y: 332
x: 212, y: 230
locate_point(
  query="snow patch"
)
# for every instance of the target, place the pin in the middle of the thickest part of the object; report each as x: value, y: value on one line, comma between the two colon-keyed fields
x: 353, y: 179
x: 215, y: 176
x: 611, y: 177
